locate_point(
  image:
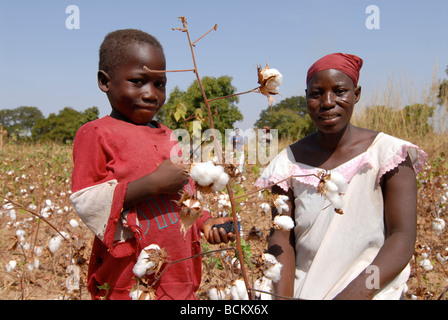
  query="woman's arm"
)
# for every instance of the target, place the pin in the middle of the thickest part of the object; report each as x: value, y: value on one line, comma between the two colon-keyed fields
x: 400, y: 217
x: 281, y: 245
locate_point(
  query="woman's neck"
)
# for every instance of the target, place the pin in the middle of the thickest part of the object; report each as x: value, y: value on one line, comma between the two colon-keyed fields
x: 329, y: 142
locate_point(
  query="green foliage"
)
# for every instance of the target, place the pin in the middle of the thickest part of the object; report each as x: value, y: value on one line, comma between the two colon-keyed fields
x: 20, y: 121
x: 417, y: 117
x: 62, y: 127
x: 443, y: 91
x: 289, y: 117
x: 183, y: 107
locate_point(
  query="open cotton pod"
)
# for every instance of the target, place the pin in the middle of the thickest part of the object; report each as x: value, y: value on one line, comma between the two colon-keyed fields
x: 149, y: 261
x: 190, y: 210
x: 333, y: 185
x: 270, y: 80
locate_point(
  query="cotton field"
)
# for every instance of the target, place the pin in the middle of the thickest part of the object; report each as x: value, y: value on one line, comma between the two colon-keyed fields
x: 45, y: 248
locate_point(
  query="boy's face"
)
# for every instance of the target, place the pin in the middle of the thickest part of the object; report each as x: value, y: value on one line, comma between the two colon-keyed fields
x: 136, y: 95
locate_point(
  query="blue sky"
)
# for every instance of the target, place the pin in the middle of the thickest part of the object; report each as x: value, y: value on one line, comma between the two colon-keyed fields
x: 44, y: 64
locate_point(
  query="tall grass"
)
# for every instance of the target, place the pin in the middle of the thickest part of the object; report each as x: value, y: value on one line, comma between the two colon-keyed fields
x: 384, y: 111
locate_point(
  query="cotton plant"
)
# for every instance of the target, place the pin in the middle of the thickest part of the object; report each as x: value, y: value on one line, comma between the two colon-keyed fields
x: 54, y: 243
x: 265, y: 207
x: 280, y: 203
x: 271, y: 267
x: 11, y: 265
x: 218, y: 293
x: 264, y: 288
x: 191, y: 209
x: 270, y: 80
x: 333, y: 185
x: 239, y: 290
x: 149, y: 261
x: 282, y: 222
x: 209, y: 177
x: 438, y: 226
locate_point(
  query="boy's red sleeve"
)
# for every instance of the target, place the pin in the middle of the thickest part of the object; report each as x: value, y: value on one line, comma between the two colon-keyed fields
x: 97, y: 196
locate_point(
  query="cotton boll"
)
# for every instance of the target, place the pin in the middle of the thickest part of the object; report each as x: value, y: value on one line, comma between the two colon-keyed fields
x: 273, y: 270
x: 55, y: 243
x: 20, y: 234
x: 36, y: 263
x: 136, y: 294
x: 150, y: 260
x: 440, y: 258
x: 438, y: 225
x: 331, y: 187
x: 283, y: 222
x: 280, y: 203
x: 38, y: 250
x: 263, y: 284
x: 216, y: 294
x: 11, y: 265
x: 199, y: 173
x: 220, y: 182
x: 338, y: 179
x: 275, y: 79
x: 143, y: 262
x: 215, y: 171
x: 74, y: 223
x: 426, y: 264
x: 12, y: 214
x: 336, y: 200
x: 239, y: 291
x: 265, y: 207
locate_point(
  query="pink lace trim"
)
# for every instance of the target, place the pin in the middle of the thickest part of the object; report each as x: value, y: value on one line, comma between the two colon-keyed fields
x: 309, y: 176
x: 348, y: 169
x: 418, y: 162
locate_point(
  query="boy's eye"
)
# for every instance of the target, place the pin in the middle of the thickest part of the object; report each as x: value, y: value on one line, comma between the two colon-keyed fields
x: 161, y: 84
x: 138, y: 82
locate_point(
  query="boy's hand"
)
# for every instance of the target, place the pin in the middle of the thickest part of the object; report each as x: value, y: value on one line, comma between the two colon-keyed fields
x: 215, y: 236
x: 171, y: 176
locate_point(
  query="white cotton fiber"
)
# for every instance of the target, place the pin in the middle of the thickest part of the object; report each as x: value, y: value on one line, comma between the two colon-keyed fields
x: 144, y: 265
x: 274, y: 271
x: 54, y: 243
x: 284, y: 222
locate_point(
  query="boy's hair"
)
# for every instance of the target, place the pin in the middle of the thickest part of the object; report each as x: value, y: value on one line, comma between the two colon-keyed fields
x: 112, y: 48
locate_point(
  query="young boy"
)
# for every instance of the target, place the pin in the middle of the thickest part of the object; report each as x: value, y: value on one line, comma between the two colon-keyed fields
x: 125, y: 183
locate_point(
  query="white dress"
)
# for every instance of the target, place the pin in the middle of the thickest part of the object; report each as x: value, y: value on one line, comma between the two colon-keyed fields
x: 333, y: 249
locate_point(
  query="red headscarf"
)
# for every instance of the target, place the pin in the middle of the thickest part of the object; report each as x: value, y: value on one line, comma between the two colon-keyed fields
x: 346, y: 63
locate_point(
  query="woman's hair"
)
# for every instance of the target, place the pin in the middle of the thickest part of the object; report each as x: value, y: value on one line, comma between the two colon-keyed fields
x: 112, y: 49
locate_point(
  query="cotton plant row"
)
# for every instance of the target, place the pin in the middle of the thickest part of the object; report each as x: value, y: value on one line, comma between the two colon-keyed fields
x: 35, y: 246
x: 24, y: 230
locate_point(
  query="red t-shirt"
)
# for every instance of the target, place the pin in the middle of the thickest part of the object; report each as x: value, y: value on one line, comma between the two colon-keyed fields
x: 109, y: 149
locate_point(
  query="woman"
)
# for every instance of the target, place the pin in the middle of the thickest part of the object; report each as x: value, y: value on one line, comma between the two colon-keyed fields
x: 364, y: 252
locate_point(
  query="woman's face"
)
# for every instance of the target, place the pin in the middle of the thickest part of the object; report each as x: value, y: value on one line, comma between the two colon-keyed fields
x: 331, y: 98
